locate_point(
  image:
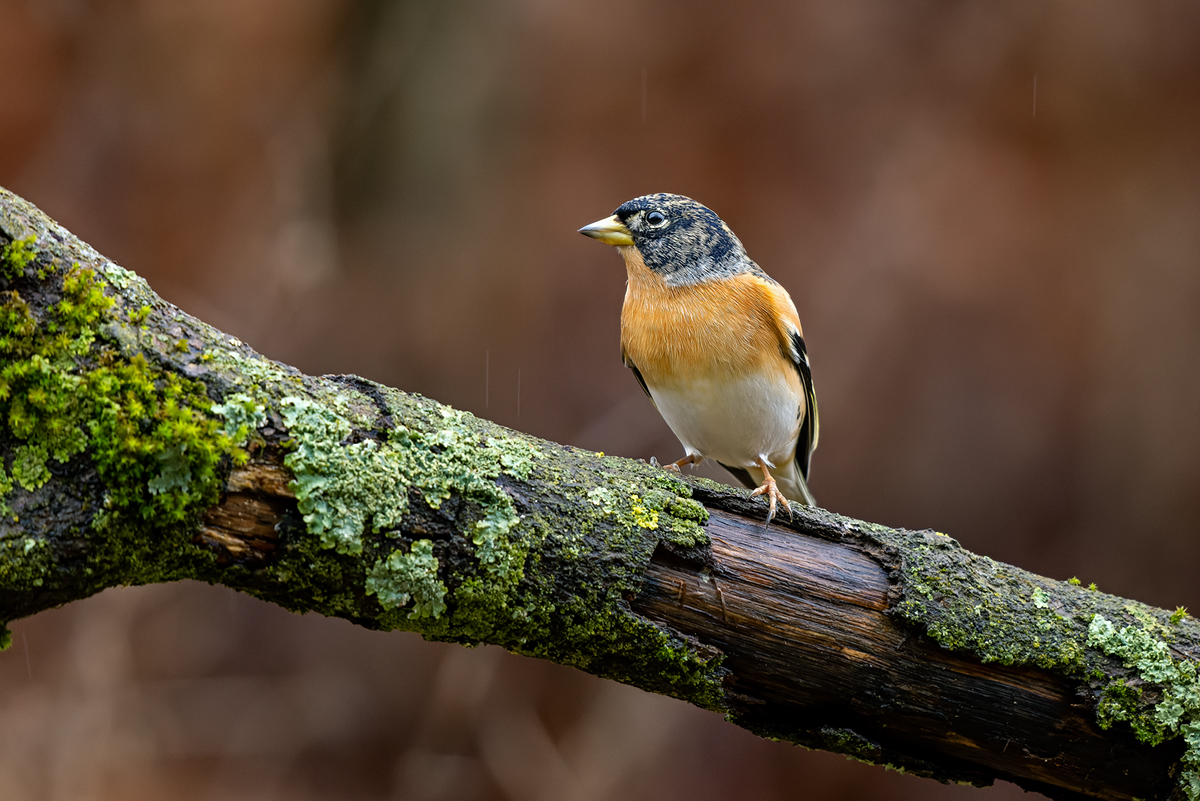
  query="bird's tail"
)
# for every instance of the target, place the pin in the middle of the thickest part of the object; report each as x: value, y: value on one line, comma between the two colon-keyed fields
x: 792, y: 484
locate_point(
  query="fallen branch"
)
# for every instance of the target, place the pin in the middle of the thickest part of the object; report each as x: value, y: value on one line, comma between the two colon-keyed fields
x: 141, y: 445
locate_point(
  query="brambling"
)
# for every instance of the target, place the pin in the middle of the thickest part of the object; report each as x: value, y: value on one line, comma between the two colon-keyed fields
x: 716, y: 343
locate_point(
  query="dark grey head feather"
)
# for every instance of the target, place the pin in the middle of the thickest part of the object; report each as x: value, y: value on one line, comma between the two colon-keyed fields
x: 689, y: 244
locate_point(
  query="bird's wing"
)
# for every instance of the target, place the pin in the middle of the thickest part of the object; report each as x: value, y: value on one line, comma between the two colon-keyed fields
x: 810, y: 428
x: 636, y: 374
x: 792, y: 341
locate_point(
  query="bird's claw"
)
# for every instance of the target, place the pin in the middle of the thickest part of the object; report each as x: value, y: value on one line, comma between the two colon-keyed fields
x: 673, y: 467
x: 774, y: 496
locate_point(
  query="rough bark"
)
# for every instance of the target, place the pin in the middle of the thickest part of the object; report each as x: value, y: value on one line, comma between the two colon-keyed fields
x: 140, y: 445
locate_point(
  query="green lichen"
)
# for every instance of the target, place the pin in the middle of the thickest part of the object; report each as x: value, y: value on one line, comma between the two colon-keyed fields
x: 1172, y: 710
x: 122, y: 279
x: 344, y: 489
x: 339, y: 488
x: 552, y: 585
x: 678, y: 520
x: 242, y: 414
x: 404, y: 576
x: 603, y: 498
x: 966, y: 602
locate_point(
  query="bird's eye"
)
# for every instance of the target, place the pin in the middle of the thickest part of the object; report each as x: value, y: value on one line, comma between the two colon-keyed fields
x: 655, y: 218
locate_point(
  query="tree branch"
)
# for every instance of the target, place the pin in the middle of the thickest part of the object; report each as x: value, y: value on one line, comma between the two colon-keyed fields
x: 141, y: 445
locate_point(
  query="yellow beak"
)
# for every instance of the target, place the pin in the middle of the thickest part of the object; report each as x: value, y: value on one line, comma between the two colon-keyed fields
x: 610, y: 231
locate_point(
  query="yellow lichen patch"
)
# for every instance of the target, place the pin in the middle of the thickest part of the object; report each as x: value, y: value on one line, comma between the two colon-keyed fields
x: 646, y: 518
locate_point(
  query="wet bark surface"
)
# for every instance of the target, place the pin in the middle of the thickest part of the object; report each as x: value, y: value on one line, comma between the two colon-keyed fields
x: 817, y: 659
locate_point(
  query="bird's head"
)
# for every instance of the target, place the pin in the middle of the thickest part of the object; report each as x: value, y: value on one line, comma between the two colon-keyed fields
x: 678, y: 238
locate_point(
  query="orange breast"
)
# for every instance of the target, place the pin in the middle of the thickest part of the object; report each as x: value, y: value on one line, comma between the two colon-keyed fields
x: 726, y: 327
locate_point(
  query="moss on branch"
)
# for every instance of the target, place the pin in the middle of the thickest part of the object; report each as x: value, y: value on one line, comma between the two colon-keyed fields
x: 1142, y: 674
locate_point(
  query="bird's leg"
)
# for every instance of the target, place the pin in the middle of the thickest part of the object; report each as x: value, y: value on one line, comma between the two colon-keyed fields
x: 691, y: 458
x: 771, y: 490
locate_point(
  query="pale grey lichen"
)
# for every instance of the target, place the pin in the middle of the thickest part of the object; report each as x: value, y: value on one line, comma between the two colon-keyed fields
x: 119, y: 277
x: 342, y: 487
x: 1177, y: 711
x: 242, y: 414
x: 409, y: 576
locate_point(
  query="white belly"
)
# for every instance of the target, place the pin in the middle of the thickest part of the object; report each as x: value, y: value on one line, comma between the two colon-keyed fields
x: 734, y: 421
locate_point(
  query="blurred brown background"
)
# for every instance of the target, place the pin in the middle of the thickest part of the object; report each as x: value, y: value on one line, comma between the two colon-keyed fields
x: 988, y: 215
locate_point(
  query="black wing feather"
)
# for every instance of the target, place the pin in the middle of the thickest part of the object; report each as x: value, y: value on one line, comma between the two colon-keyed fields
x: 637, y: 374
x: 810, y: 428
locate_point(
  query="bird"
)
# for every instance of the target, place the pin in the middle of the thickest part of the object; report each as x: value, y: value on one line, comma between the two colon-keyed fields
x: 717, y: 345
